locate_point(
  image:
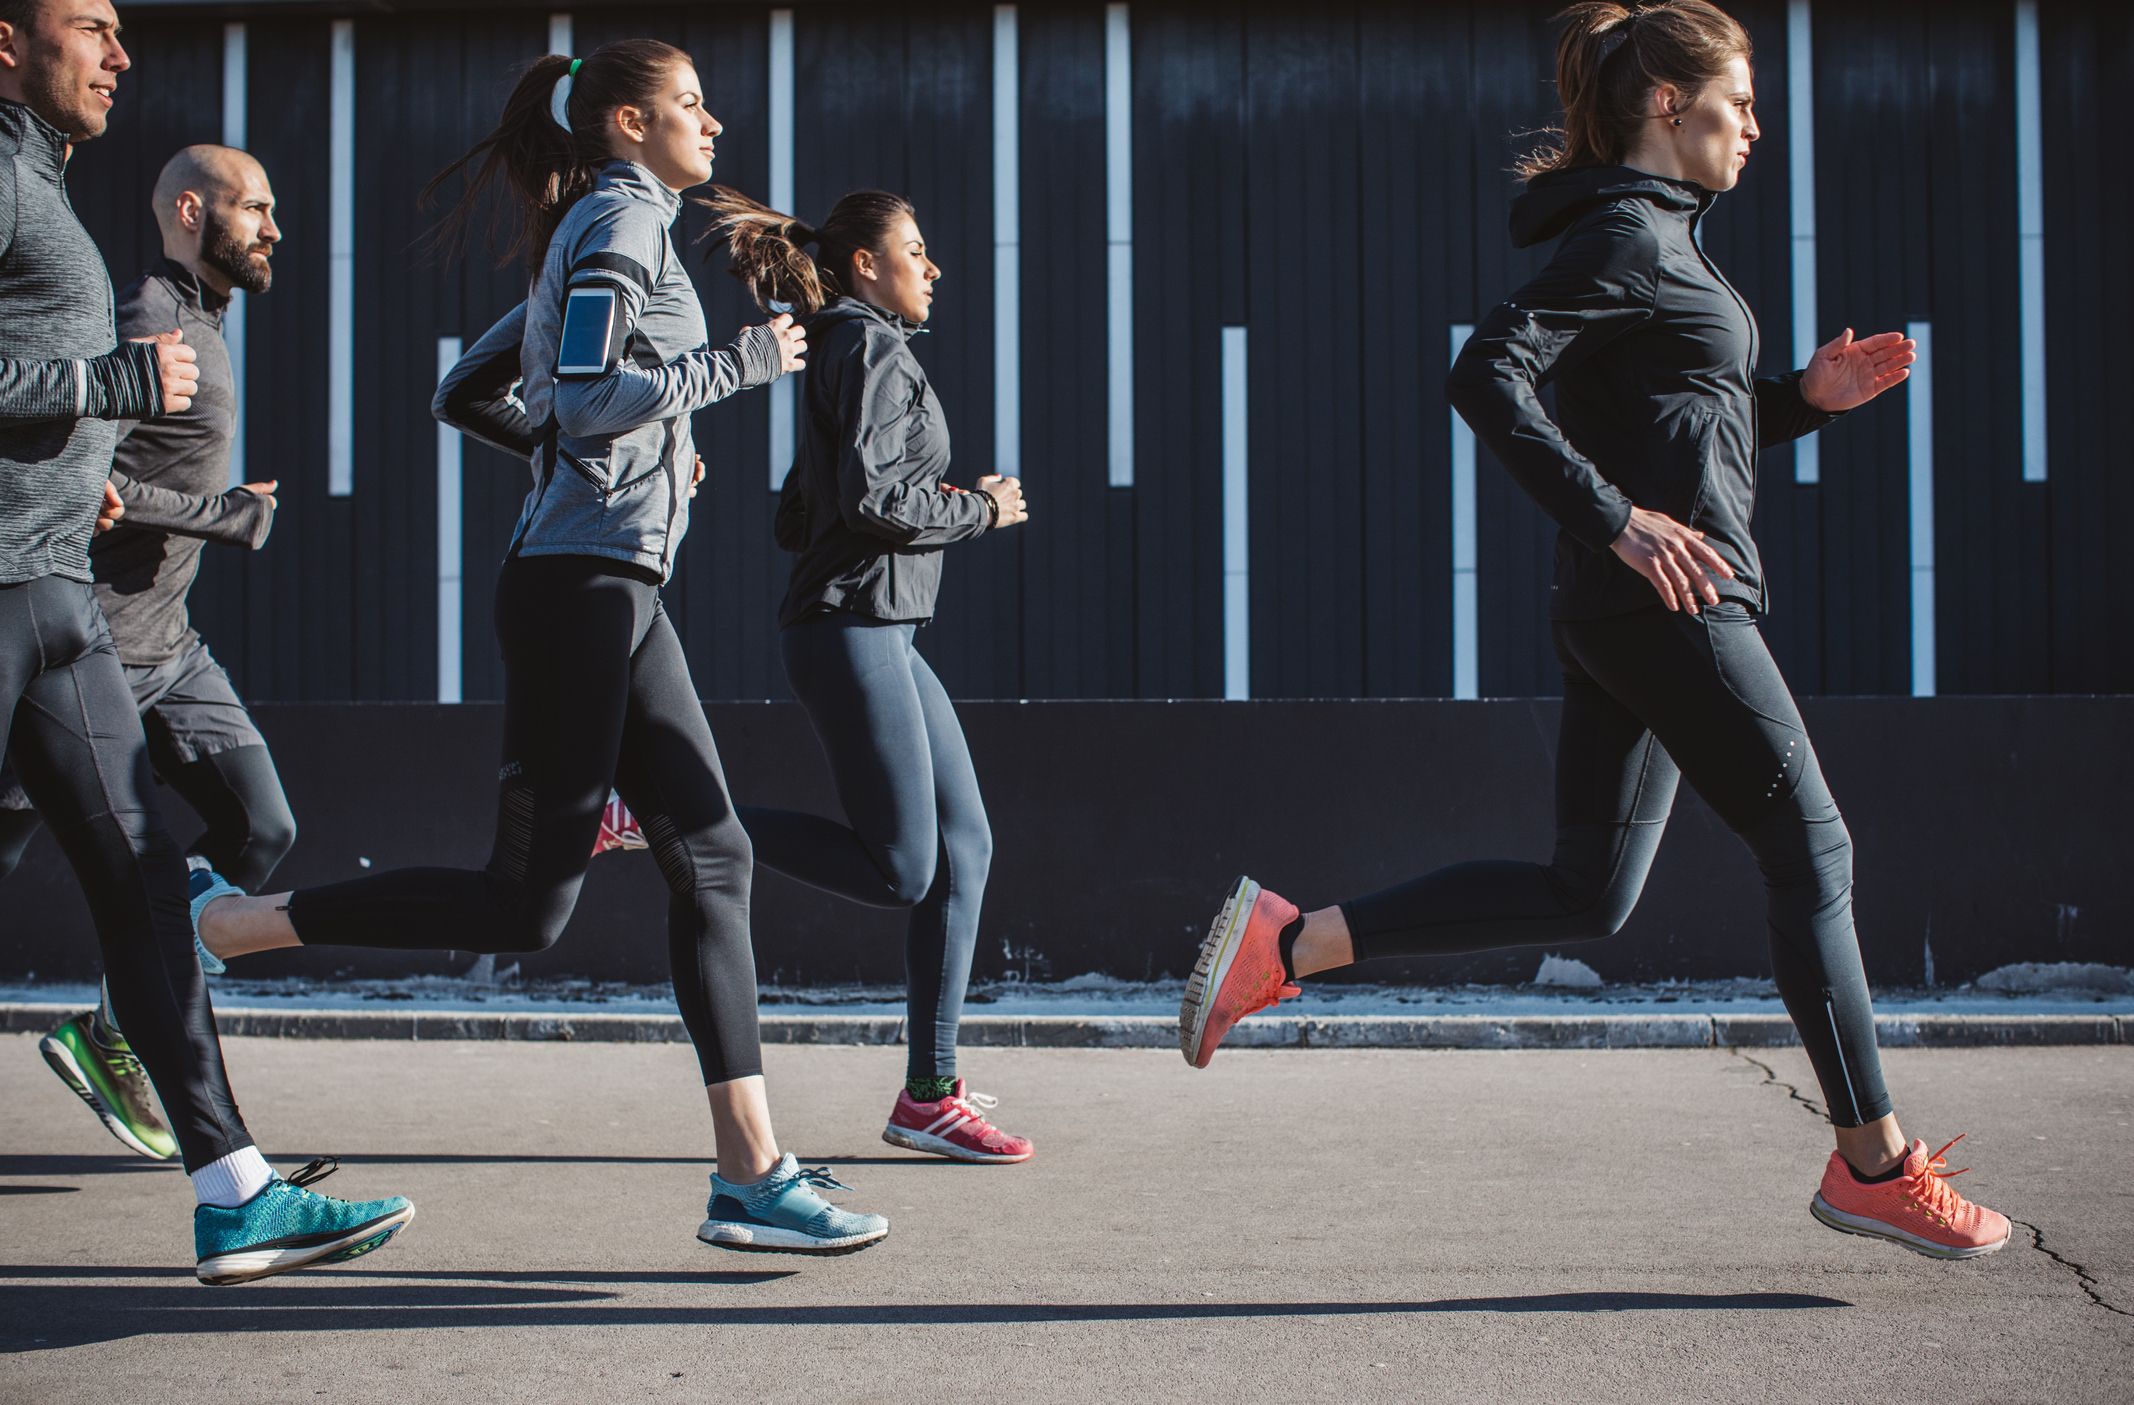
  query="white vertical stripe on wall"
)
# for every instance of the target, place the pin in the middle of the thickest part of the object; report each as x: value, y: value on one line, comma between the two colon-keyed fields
x: 1800, y: 122
x: 1920, y: 421
x: 2030, y: 234
x: 234, y: 93
x: 341, y: 267
x: 1119, y: 238
x: 1237, y: 600
x: 1466, y: 645
x: 1007, y: 247
x: 450, y: 566
x: 783, y: 408
x: 560, y: 38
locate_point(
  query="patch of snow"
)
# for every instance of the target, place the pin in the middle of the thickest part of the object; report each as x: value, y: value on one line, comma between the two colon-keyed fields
x: 2035, y: 977
x: 1564, y: 973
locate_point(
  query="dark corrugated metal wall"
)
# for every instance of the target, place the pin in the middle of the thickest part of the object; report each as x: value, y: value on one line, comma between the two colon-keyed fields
x: 1332, y: 179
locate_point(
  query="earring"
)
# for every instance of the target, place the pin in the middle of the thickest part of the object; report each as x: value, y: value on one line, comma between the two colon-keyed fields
x: 1678, y: 121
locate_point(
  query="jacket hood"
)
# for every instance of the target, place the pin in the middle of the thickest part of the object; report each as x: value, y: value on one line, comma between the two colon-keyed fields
x: 851, y: 309
x: 1551, y: 202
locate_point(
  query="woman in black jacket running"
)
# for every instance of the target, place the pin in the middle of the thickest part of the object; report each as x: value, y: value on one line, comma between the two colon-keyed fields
x: 868, y: 515
x: 1649, y: 468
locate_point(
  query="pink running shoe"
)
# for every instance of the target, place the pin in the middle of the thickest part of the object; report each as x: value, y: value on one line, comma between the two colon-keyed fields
x: 1239, y: 971
x: 1917, y: 1209
x: 954, y: 1127
x: 618, y: 828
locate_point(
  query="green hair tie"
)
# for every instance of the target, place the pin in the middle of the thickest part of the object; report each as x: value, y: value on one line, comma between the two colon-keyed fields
x: 574, y: 68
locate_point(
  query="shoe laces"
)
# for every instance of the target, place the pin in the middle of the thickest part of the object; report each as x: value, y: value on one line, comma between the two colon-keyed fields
x: 1932, y: 1183
x: 975, y: 1106
x: 820, y: 1178
x: 312, y: 1172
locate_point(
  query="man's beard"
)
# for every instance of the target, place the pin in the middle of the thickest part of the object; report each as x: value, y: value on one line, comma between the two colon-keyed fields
x: 221, y: 250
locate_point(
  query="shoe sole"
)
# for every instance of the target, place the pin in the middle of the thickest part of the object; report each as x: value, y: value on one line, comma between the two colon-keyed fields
x: 1218, y: 950
x: 63, y: 1063
x: 942, y: 1146
x: 768, y: 1239
x: 1831, y: 1216
x: 248, y: 1265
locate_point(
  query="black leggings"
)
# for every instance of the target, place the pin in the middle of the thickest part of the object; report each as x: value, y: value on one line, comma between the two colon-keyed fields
x: 1649, y: 698
x: 237, y: 793
x: 918, y: 837
x: 76, y: 743
x: 596, y: 692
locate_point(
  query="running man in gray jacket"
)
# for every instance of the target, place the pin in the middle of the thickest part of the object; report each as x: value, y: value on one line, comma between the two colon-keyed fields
x: 216, y: 212
x: 65, y: 709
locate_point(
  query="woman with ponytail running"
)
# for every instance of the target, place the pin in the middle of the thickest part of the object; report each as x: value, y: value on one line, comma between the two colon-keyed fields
x: 611, y: 347
x: 868, y: 515
x: 1649, y: 468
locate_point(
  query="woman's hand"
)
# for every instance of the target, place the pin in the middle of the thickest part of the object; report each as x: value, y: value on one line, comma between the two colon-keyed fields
x: 792, y: 343
x: 697, y: 477
x: 1671, y: 556
x: 1845, y: 374
x: 1007, y: 496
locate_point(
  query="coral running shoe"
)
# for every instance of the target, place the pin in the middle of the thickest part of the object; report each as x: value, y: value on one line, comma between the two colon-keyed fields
x: 1917, y: 1209
x: 1239, y: 971
x: 95, y: 1061
x: 955, y: 1127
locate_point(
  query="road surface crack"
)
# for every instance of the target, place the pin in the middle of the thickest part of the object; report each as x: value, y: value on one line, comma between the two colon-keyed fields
x: 1772, y: 1079
x: 2087, y: 1279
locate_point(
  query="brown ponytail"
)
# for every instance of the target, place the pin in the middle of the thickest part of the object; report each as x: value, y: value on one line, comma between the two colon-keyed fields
x: 768, y: 250
x: 1610, y: 58
x: 545, y: 169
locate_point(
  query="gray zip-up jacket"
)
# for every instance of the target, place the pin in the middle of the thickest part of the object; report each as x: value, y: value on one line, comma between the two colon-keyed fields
x: 612, y: 454
x: 64, y: 381
x: 172, y: 475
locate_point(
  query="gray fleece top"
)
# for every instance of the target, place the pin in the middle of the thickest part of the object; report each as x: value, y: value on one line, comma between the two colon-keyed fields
x: 612, y: 454
x: 64, y: 380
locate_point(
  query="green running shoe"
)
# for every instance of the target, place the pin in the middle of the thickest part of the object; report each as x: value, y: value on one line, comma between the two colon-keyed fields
x: 286, y: 1227
x: 783, y: 1214
x: 96, y: 1062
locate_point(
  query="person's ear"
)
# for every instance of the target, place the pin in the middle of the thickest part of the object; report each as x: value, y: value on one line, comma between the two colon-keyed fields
x: 190, y: 210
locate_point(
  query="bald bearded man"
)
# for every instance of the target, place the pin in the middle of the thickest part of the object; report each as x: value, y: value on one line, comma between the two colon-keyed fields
x: 216, y: 212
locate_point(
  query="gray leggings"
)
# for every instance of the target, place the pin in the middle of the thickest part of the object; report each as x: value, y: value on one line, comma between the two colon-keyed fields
x: 918, y: 836
x: 1650, y: 698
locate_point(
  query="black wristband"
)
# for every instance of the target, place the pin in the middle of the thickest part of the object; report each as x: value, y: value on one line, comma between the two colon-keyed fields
x: 992, y: 508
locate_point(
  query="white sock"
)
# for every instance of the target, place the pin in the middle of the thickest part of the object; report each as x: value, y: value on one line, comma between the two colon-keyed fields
x: 232, y: 1180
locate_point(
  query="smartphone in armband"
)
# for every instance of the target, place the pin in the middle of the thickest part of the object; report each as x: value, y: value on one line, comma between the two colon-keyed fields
x: 587, y: 345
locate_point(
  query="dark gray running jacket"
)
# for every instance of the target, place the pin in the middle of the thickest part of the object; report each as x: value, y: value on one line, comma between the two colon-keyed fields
x: 864, y: 507
x: 1658, y: 404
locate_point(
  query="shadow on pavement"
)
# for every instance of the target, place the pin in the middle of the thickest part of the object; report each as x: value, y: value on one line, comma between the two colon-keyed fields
x: 32, y: 1165
x: 38, y: 1189
x: 50, y: 1317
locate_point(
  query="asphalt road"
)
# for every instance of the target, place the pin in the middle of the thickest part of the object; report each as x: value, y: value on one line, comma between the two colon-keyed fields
x: 1288, y: 1225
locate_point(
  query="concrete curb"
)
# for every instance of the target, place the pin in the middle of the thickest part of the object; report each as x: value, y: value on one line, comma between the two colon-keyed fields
x: 1641, y: 1031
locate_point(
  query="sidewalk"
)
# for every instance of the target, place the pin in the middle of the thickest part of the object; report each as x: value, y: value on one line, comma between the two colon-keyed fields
x: 1342, y: 1224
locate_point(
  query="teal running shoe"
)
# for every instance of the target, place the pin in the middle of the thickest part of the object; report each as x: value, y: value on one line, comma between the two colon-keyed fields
x: 95, y: 1061
x: 782, y: 1214
x: 287, y: 1226
x: 203, y: 885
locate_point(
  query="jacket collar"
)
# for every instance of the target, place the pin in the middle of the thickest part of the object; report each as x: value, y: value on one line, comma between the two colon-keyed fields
x: 847, y: 307
x: 1552, y: 202
x: 190, y: 290
x: 631, y: 179
x: 34, y: 137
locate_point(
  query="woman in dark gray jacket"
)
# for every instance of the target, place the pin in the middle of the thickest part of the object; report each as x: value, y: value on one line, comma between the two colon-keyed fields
x: 1649, y: 468
x: 867, y: 513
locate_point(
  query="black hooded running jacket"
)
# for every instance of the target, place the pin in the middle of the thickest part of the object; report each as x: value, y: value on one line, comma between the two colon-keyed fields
x: 864, y: 507
x: 1658, y: 405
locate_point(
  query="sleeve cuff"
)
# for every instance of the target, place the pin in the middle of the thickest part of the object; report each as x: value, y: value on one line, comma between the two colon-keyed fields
x: 757, y: 351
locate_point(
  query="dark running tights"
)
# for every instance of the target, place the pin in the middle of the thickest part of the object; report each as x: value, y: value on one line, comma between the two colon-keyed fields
x: 1648, y: 699
x: 918, y: 837
x: 69, y: 722
x: 596, y: 690
x: 237, y: 793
